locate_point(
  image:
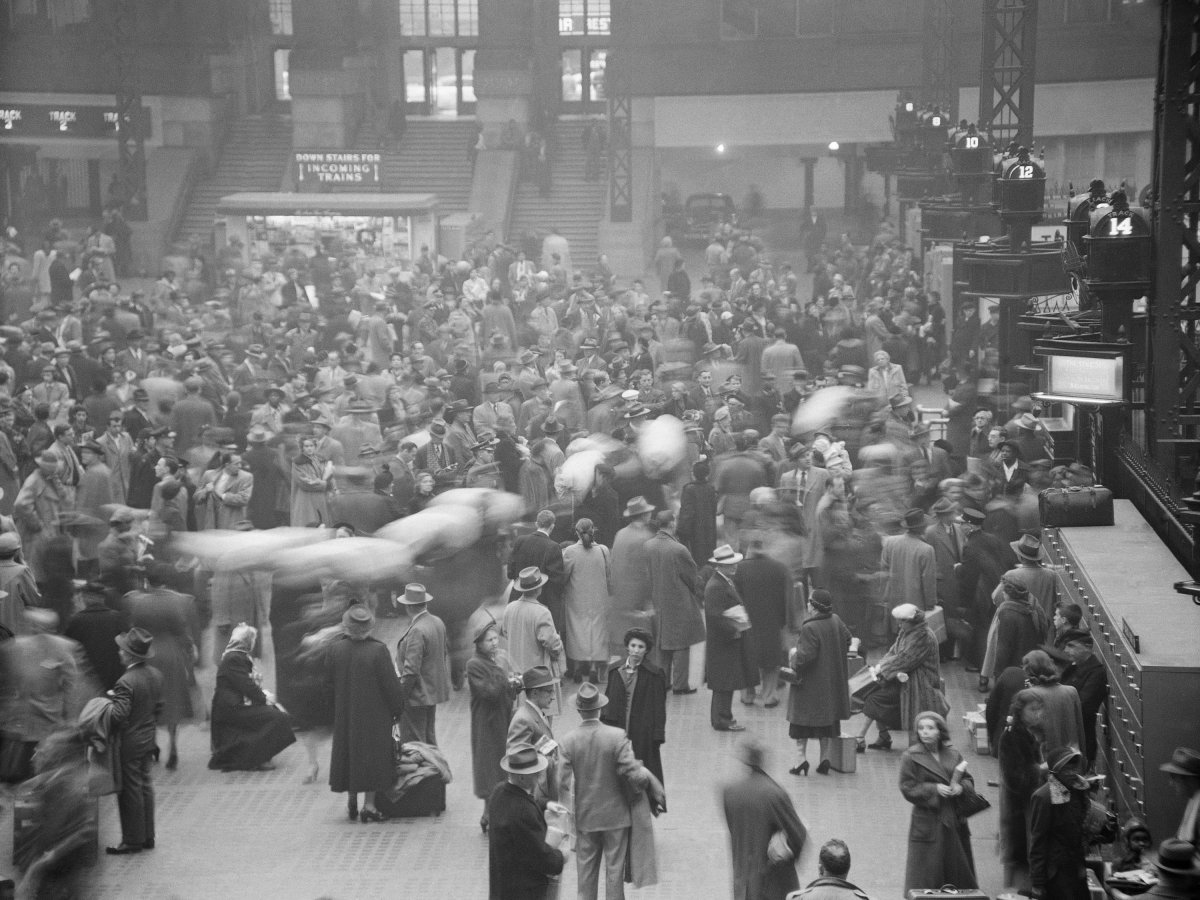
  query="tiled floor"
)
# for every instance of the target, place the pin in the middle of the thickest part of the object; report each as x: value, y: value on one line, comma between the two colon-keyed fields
x: 266, y: 835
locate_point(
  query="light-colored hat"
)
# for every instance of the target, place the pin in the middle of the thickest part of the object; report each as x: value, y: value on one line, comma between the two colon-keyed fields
x: 588, y: 697
x: 1028, y: 547
x: 725, y: 556
x: 638, y: 506
x: 905, y: 612
x: 531, y: 579
x: 414, y: 595
x: 358, y: 620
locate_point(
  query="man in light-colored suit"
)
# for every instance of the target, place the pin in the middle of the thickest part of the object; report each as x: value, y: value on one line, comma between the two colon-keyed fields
x: 806, y: 485
x: 910, y: 564
x: 599, y: 773
x: 531, y: 724
x: 423, y: 660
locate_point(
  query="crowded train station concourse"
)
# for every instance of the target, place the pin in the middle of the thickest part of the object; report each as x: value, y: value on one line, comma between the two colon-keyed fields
x: 530, y: 449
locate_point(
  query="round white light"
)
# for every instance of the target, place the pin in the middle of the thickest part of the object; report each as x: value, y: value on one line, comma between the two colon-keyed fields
x: 834, y: 146
x: 720, y: 148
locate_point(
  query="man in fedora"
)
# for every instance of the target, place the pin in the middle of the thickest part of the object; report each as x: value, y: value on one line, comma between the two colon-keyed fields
x: 532, y: 725
x: 632, y: 597
x: 946, y: 536
x: 1184, y: 773
x: 529, y: 631
x: 1029, y: 571
x: 598, y: 777
x: 485, y: 472
x: 1178, y: 871
x: 540, y: 550
x: 1087, y: 675
x: 729, y: 655
x: 522, y: 855
x: 985, y: 559
x: 423, y: 661
x: 136, y: 704
x: 910, y: 564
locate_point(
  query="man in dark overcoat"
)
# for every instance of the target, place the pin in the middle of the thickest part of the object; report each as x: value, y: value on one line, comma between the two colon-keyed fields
x: 755, y: 808
x: 729, y: 654
x: 96, y: 628
x: 985, y: 559
x: 765, y: 586
x: 1087, y: 675
x: 520, y: 857
x: 673, y: 593
x: 637, y: 695
x: 540, y: 550
x: 136, y: 704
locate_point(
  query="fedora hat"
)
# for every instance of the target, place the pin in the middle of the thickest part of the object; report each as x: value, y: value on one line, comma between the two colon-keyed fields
x: 137, y: 642
x: 638, y: 506
x: 725, y: 556
x: 636, y: 412
x: 588, y: 697
x: 358, y: 620
x: 414, y: 595
x: 1176, y: 857
x: 324, y: 421
x: 1184, y: 761
x: 1028, y: 547
x: 10, y: 543
x: 523, y: 759
x: 1027, y: 420
x: 915, y: 518
x: 942, y: 507
x: 551, y: 425
x: 537, y: 677
x: 531, y: 579
x: 361, y: 408
x: 259, y: 435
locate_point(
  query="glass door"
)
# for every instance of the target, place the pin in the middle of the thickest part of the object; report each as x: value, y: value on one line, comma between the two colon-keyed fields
x: 416, y: 83
x: 583, y: 79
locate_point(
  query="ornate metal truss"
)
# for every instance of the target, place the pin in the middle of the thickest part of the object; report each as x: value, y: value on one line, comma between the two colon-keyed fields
x: 618, y: 84
x: 1006, y: 71
x: 939, y: 82
x: 120, y: 21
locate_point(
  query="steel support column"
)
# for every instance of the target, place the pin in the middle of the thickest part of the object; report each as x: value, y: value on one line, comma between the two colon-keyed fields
x: 1006, y: 71
x: 619, y: 87
x: 121, y: 33
x: 939, y: 81
x: 1173, y: 358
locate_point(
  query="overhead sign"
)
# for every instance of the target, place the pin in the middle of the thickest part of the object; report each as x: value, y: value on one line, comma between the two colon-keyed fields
x: 1087, y: 378
x: 331, y: 167
x: 63, y: 120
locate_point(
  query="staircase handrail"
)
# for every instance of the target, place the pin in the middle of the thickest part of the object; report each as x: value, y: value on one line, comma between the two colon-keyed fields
x: 183, y: 200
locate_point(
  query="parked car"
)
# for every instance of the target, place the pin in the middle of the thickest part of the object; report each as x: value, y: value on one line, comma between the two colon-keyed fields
x: 702, y: 215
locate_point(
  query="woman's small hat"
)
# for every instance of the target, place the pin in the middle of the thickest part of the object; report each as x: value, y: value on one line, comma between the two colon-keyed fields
x: 537, y: 677
x: 136, y: 642
x: 482, y: 631
x: 414, y: 595
x: 358, y: 620
x: 523, y: 759
x: 1184, y: 761
x: 588, y: 697
x: 530, y: 579
x: 1059, y: 759
x: 725, y: 556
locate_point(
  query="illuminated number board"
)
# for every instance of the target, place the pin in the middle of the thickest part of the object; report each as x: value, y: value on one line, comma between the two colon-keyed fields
x: 63, y: 121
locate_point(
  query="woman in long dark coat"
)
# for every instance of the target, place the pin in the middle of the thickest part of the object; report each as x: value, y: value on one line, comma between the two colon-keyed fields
x: 1020, y: 755
x: 820, y: 699
x: 939, y: 841
x: 1057, y: 847
x: 493, y: 690
x: 366, y: 701
x: 637, y: 700
x: 697, y: 528
x: 247, y: 728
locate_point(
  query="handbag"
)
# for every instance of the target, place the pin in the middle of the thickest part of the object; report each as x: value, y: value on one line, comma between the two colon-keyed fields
x: 778, y: 849
x: 1075, y: 506
x: 959, y: 629
x: 971, y: 804
x: 1100, y: 824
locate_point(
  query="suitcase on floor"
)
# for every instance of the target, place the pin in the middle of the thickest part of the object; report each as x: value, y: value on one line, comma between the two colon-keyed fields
x: 843, y: 754
x: 1075, y: 506
x: 27, y: 807
x: 426, y: 797
x: 948, y: 892
x: 936, y: 620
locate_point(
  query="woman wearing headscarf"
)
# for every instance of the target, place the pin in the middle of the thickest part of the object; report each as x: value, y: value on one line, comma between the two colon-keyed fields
x: 818, y: 700
x: 366, y: 701
x: 932, y: 776
x: 1057, y: 846
x: 493, y: 687
x: 247, y: 728
x: 908, y: 678
x: 1021, y: 773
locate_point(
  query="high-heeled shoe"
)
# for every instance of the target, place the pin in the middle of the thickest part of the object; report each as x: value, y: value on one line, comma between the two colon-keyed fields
x: 311, y: 777
x: 352, y: 808
x: 371, y: 815
x: 172, y: 762
x: 483, y: 824
x: 801, y: 769
x: 823, y: 767
x: 860, y: 745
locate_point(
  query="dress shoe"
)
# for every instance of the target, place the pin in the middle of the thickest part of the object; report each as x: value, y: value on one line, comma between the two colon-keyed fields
x: 122, y: 850
x: 880, y: 745
x: 172, y: 762
x: 971, y: 668
x: 983, y: 685
x: 801, y: 769
x: 371, y: 815
x: 823, y: 767
x: 683, y: 691
x: 747, y: 701
x: 352, y: 809
x: 734, y: 726
x: 149, y: 845
x: 771, y: 704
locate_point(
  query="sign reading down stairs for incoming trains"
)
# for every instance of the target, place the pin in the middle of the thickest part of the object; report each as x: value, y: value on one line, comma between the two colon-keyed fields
x: 315, y: 168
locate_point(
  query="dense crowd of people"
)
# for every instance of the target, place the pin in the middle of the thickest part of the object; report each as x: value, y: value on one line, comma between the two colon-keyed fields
x: 739, y: 464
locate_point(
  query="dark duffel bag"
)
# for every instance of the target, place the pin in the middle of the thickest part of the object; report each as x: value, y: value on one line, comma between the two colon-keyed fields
x: 1075, y: 506
x: 421, y: 797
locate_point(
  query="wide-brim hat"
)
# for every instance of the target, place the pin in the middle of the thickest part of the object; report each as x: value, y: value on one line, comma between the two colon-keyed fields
x: 551, y: 425
x: 361, y: 408
x: 278, y: 391
x: 531, y: 579
x: 259, y: 435
x: 523, y: 759
x: 638, y: 506
x: 1177, y: 857
x: 537, y: 677
x: 457, y: 406
x: 323, y: 420
x: 137, y: 642
x: 915, y: 518
x: 943, y: 506
x: 414, y: 595
x: 358, y: 620
x: 1027, y: 547
x: 725, y: 555
x: 636, y: 412
x: 1184, y: 761
x: 588, y: 697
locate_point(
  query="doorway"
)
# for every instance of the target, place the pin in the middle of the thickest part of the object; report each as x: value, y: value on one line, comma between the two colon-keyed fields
x: 440, y: 81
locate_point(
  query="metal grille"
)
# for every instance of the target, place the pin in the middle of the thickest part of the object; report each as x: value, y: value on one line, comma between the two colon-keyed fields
x: 123, y: 41
x: 620, y: 122
x: 1006, y: 72
x: 938, y: 83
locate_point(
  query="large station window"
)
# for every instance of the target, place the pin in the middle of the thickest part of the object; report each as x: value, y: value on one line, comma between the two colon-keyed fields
x: 747, y: 19
x: 439, y: 18
x: 440, y: 81
x: 584, y: 17
x: 583, y: 77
